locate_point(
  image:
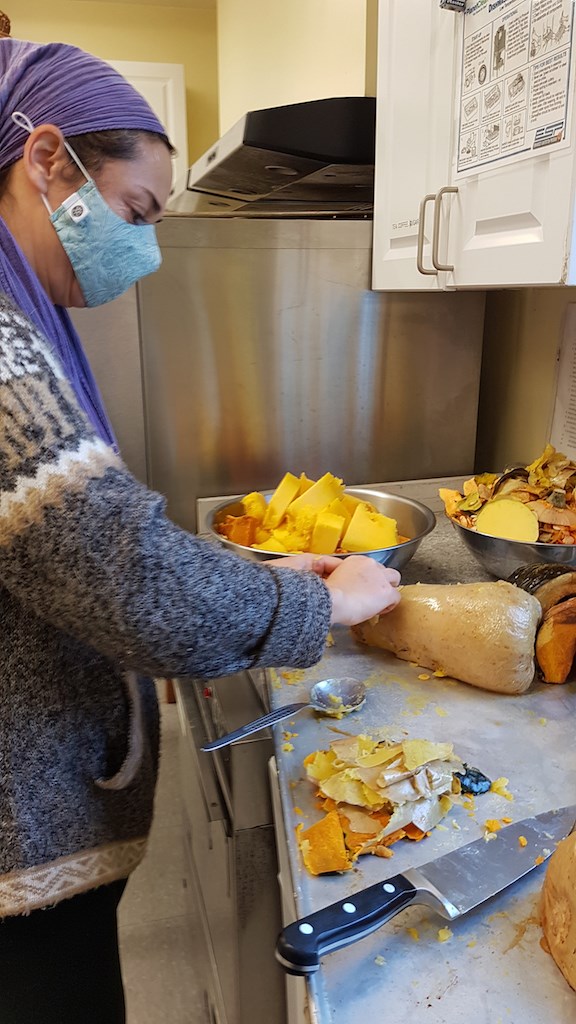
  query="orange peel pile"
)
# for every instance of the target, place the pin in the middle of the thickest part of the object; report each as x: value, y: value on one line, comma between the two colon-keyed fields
x: 544, y: 492
x: 375, y: 793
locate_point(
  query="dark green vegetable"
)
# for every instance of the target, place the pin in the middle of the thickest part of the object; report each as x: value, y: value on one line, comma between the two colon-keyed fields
x: 517, y: 473
x: 472, y: 780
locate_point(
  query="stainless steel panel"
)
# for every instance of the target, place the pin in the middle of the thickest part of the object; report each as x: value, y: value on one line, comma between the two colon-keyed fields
x: 110, y: 336
x: 231, y: 864
x: 264, y: 350
x: 261, y: 986
x: 233, y: 780
x: 203, y: 789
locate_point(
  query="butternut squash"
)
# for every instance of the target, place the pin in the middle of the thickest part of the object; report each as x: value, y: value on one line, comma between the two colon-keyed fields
x: 481, y: 633
x: 558, y: 907
x: 549, y: 582
x: 556, y: 642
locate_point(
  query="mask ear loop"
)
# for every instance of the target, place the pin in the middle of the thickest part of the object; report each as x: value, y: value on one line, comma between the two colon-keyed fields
x: 23, y: 121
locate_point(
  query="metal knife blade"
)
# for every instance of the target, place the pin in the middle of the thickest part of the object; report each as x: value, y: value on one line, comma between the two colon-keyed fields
x: 451, y: 885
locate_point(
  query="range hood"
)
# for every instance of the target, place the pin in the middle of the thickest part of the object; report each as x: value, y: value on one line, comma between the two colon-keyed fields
x: 302, y: 159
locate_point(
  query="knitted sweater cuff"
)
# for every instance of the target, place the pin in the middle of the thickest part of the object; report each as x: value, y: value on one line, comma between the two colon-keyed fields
x: 310, y: 608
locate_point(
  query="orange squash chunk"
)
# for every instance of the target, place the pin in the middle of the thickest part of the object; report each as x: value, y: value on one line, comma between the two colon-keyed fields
x: 556, y: 642
x: 322, y: 846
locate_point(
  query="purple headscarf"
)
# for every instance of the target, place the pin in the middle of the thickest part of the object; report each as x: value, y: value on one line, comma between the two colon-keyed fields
x: 59, y: 84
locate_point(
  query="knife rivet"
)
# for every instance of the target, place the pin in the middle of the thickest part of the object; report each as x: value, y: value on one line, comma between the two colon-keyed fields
x: 306, y: 929
x: 388, y: 887
x: 349, y: 908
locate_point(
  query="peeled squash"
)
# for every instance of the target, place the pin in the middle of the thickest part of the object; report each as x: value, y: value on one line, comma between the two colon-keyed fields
x: 287, y: 489
x: 481, y: 633
x: 369, y: 530
x: 508, y: 518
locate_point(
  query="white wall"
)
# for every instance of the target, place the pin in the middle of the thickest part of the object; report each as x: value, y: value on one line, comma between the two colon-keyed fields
x: 272, y: 52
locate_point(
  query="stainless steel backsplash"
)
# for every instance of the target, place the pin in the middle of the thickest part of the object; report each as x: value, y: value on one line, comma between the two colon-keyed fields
x: 264, y: 350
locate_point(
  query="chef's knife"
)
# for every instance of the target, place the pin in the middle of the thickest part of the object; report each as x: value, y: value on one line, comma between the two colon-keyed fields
x: 452, y: 885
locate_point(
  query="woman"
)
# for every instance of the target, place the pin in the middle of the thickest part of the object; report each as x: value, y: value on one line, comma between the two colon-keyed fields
x: 96, y: 584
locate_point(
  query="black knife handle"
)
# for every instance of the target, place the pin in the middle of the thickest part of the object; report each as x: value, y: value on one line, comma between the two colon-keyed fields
x: 301, y: 944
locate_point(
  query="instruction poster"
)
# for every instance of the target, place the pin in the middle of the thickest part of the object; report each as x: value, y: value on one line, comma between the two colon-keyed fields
x: 514, y: 85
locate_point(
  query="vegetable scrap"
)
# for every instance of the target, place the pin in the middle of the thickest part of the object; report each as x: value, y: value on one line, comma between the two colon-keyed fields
x: 499, y: 787
x: 304, y: 515
x: 473, y: 781
x: 492, y: 825
x: 522, y: 840
x: 375, y: 793
x: 526, y: 503
x: 444, y: 934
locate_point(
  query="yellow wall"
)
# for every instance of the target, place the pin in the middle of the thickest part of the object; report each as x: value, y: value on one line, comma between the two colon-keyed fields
x: 271, y: 52
x: 117, y: 31
x: 371, y: 46
x: 522, y: 335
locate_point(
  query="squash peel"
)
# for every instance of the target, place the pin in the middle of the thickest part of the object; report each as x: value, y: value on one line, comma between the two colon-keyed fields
x: 373, y: 795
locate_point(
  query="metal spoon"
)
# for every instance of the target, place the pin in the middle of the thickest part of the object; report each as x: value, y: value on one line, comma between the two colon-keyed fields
x: 334, y: 697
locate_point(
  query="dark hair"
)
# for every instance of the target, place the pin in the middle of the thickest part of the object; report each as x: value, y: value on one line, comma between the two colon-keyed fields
x: 94, y: 149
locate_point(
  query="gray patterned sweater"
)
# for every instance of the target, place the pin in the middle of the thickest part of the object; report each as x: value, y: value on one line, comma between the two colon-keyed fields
x: 96, y: 585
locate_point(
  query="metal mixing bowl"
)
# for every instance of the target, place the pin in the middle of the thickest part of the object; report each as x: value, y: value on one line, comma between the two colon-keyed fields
x: 414, y: 520
x: 501, y: 557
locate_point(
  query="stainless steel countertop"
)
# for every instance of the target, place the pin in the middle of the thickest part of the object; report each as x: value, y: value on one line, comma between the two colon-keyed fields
x: 493, y: 969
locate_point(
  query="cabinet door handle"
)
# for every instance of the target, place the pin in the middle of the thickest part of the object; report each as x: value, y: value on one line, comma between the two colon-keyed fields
x: 436, y: 228
x: 420, y: 250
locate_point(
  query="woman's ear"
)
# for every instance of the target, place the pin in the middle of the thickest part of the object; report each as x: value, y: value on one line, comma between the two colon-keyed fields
x: 44, y: 155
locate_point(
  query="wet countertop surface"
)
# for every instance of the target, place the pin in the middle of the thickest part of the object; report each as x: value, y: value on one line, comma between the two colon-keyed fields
x: 492, y: 969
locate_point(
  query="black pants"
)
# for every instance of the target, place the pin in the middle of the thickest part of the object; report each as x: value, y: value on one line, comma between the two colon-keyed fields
x: 61, y: 965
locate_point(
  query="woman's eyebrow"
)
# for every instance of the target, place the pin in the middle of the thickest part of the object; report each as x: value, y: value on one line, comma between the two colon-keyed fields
x: 154, y: 204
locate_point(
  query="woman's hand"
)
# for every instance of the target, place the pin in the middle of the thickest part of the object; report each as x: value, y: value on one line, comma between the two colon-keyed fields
x: 359, y: 586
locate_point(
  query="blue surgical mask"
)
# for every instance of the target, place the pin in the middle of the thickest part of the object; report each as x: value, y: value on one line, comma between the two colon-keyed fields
x: 106, y: 252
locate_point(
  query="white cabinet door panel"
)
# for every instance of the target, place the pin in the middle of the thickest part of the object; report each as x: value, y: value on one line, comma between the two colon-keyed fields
x: 513, y: 158
x: 513, y: 226
x: 416, y: 52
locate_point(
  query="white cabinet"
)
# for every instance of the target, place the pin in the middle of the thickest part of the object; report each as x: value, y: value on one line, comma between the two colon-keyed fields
x: 475, y: 145
x: 163, y: 86
x: 416, y: 50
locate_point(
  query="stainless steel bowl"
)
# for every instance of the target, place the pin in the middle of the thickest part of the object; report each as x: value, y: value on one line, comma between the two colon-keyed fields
x: 414, y: 520
x: 501, y: 557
